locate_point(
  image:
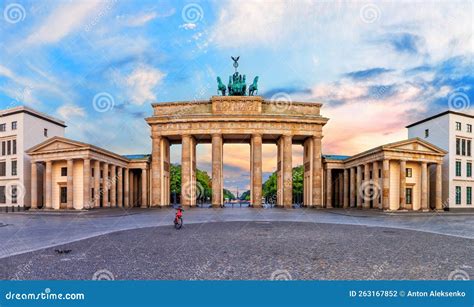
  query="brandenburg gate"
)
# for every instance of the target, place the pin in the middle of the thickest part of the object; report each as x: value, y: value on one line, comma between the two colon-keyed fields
x: 236, y: 119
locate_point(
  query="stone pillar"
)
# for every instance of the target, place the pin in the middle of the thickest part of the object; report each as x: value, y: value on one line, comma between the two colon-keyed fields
x: 105, y: 185
x: 328, y: 188
x: 131, y: 192
x: 367, y: 184
x: 113, y: 186
x: 386, y: 184
x: 317, y: 170
x: 119, y: 187
x: 144, y: 203
x: 376, y: 185
x: 49, y: 185
x: 424, y: 186
x: 188, y: 188
x: 403, y: 184
x: 346, y: 188
x: 256, y: 170
x: 353, y: 193
x: 70, y: 184
x: 97, y: 184
x: 287, y: 172
x: 156, y: 170
x: 126, y: 192
x: 217, y: 149
x: 34, y: 185
x: 438, y: 187
x: 86, y: 198
x: 359, y: 187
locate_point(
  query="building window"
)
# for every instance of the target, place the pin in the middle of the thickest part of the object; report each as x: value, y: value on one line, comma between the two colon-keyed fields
x: 409, y: 196
x: 14, y: 193
x: 468, y: 147
x: 463, y: 147
x: 469, y: 128
x: 45, y: 132
x: 3, y: 198
x: 469, y: 169
x: 3, y: 168
x: 458, y: 168
x: 14, y: 147
x: 458, y: 195
x: 14, y: 125
x: 63, y: 195
x: 3, y: 127
x: 9, y: 148
x: 458, y: 146
x: 458, y: 126
x: 63, y: 171
x: 408, y: 172
x: 427, y: 133
x: 469, y: 195
x: 14, y: 168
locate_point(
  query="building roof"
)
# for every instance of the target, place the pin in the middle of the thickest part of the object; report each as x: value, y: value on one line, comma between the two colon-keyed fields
x: 439, y: 115
x: 137, y: 157
x: 32, y: 112
x: 335, y: 157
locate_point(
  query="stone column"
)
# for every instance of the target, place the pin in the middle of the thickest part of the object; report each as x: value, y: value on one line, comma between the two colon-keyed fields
x: 403, y: 184
x: 317, y: 170
x: 375, y: 184
x: 386, y: 184
x: 144, y: 203
x: 256, y: 169
x: 156, y: 171
x: 328, y: 188
x: 187, y: 188
x: 70, y: 184
x: 105, y: 185
x: 438, y: 187
x: 359, y: 187
x: 367, y: 187
x: 49, y: 185
x: 86, y: 184
x: 97, y: 184
x: 126, y: 192
x: 132, y: 187
x: 217, y: 149
x: 119, y: 187
x: 346, y: 188
x: 287, y: 172
x: 113, y: 186
x: 34, y: 185
x: 353, y: 193
x: 424, y: 186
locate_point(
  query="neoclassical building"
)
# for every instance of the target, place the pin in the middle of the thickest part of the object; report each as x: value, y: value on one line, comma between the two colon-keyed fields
x: 405, y: 175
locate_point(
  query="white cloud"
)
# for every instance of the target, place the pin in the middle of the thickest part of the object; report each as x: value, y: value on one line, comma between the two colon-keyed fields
x: 65, y: 19
x: 139, y: 20
x: 69, y: 111
x: 141, y: 84
x: 188, y: 26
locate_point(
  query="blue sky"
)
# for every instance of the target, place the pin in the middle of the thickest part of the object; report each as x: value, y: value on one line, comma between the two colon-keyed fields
x: 386, y: 64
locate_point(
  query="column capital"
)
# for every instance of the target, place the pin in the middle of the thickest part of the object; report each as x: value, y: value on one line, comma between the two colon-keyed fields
x: 216, y: 135
x: 256, y: 135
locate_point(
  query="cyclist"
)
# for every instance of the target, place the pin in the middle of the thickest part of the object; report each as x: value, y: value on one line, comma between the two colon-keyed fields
x: 178, y: 220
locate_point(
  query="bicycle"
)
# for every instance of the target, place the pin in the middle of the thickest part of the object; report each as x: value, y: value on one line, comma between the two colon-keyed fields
x: 178, y: 219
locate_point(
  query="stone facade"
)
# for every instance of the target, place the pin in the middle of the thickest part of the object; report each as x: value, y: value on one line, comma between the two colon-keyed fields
x: 394, y: 176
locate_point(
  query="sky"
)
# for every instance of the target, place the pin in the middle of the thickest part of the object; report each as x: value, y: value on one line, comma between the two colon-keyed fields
x: 376, y: 66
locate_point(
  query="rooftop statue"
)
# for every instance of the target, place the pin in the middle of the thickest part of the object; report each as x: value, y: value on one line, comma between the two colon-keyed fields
x: 237, y: 83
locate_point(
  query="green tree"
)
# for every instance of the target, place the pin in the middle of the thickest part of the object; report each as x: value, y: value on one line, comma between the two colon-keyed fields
x: 270, y: 185
x: 245, y: 195
x: 228, y: 195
